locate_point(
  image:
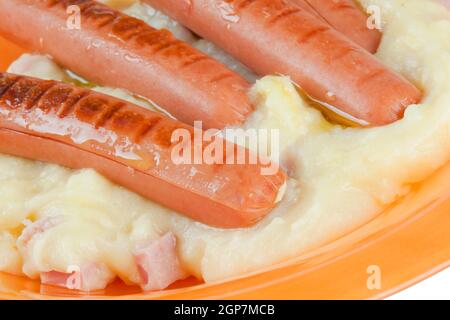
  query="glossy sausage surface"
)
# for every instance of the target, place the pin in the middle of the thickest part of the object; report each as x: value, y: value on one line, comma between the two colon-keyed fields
x: 274, y: 37
x: 113, y: 49
x: 346, y: 17
x: 306, y: 6
x: 132, y: 146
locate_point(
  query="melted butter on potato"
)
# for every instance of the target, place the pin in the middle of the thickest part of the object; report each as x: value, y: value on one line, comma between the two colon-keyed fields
x: 279, y: 106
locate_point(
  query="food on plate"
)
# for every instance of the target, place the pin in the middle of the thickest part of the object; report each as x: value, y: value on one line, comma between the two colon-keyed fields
x: 156, y: 261
x: 346, y: 17
x: 54, y: 122
x: 149, y: 62
x: 288, y: 40
x: 80, y: 228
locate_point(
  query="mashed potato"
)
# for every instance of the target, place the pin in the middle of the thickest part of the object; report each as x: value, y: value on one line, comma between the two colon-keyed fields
x: 341, y: 177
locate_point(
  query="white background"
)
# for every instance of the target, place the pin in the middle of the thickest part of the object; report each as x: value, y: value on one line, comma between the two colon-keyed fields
x: 437, y: 287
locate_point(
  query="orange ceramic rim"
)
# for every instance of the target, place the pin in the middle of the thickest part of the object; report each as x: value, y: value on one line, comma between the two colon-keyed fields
x: 405, y: 244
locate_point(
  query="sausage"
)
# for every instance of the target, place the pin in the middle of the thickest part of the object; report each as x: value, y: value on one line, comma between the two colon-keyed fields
x: 288, y: 40
x: 116, y: 50
x: 346, y: 17
x: 132, y: 146
x: 306, y: 6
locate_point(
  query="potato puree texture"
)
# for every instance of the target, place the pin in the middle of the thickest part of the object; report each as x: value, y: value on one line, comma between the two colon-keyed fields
x: 341, y: 177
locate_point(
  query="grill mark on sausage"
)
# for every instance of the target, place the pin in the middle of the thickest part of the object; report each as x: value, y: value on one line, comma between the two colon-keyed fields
x: 156, y: 39
x: 107, y: 20
x: 16, y: 95
x: 90, y: 109
x: 73, y: 97
x: 100, y: 15
x: 193, y: 60
x: 283, y: 14
x: 85, y: 106
x: 109, y: 113
x: 54, y: 98
x: 149, y: 37
x: 32, y: 93
x: 342, y: 6
x: 244, y: 4
x: 183, y: 54
x: 127, y: 27
x: 130, y: 123
x: 6, y: 82
x: 147, y: 127
x: 311, y: 34
x: 168, y: 47
x: 51, y: 3
x: 163, y: 136
x: 36, y: 93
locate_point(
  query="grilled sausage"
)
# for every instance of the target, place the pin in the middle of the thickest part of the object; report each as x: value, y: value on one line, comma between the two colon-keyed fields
x: 273, y: 37
x: 116, y: 50
x: 132, y: 146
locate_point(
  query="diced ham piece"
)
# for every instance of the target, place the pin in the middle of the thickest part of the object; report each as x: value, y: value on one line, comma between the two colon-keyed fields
x: 158, y: 263
x: 87, y: 278
x: 59, y: 279
x: 38, y: 227
x: 446, y: 3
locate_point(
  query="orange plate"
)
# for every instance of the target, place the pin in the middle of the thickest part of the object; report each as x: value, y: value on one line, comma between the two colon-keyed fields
x: 403, y: 245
